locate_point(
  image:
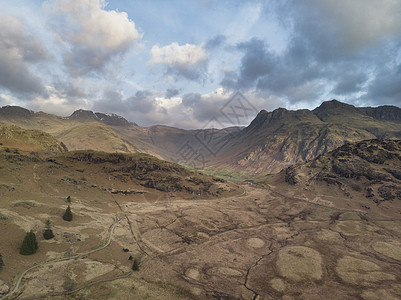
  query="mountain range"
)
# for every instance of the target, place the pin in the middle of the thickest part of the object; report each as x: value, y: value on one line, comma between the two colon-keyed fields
x: 271, y: 142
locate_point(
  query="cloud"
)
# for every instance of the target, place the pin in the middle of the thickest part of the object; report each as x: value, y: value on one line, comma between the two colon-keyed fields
x: 70, y: 88
x: 386, y: 88
x: 215, y: 42
x: 256, y: 62
x: 187, y: 61
x: 58, y: 103
x: 142, y: 102
x: 171, y: 93
x: 19, y: 51
x: 219, y: 106
x: 355, y: 24
x: 94, y: 36
x: 334, y: 49
x: 351, y: 81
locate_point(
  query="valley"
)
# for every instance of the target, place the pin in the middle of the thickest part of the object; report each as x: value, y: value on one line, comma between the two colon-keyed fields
x: 272, y: 141
x: 200, y: 150
x: 146, y: 228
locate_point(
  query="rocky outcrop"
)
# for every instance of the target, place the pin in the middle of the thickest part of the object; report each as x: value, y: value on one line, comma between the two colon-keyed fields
x: 368, y: 169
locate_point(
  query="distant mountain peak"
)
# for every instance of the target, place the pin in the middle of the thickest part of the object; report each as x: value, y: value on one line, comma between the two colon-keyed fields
x: 334, y: 104
x: 83, y: 115
x: 334, y: 107
x: 106, y: 118
x: 112, y: 119
x: 15, y: 111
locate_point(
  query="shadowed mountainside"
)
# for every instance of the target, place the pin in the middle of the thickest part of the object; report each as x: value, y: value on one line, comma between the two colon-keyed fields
x: 281, y: 138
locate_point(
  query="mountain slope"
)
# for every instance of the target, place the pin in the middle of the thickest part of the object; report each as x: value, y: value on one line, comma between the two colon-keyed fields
x: 273, y: 140
x: 280, y: 138
x: 12, y: 136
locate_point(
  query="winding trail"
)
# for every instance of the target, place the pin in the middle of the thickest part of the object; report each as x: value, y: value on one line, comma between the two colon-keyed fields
x: 13, y: 294
x: 108, y: 241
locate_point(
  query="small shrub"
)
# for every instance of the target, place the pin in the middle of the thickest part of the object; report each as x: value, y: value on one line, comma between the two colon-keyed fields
x: 48, y: 232
x: 1, y: 262
x: 356, y: 187
x: 68, y: 214
x: 334, y: 217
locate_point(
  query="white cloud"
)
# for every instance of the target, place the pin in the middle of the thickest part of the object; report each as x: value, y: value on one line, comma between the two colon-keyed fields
x: 57, y: 103
x: 93, y: 35
x: 19, y: 51
x: 189, y: 61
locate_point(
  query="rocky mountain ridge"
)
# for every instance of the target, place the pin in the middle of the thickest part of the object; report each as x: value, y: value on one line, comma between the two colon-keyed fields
x: 272, y: 141
x: 283, y: 137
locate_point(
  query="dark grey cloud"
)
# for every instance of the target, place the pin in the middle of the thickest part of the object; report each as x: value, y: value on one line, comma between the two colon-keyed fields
x: 205, y: 107
x: 386, y: 88
x: 3, y: 101
x: 19, y: 51
x: 69, y: 89
x: 215, y: 42
x: 172, y: 93
x: 142, y: 101
x: 256, y: 63
x: 335, y: 48
x: 112, y: 100
x: 350, y: 82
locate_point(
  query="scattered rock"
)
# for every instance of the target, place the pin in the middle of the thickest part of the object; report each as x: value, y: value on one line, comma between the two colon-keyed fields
x: 369, y: 193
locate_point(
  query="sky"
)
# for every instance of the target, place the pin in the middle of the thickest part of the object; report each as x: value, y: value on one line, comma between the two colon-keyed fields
x: 179, y: 62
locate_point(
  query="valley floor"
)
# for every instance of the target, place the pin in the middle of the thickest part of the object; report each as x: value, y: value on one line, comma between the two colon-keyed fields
x: 260, y: 245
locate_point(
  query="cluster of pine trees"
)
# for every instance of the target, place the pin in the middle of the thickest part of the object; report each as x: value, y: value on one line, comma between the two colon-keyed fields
x: 30, y: 244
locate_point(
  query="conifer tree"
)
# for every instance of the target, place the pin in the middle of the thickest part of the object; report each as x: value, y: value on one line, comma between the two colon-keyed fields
x: 48, y: 232
x: 135, y: 265
x: 69, y: 199
x: 1, y: 262
x: 29, y: 244
x: 68, y: 214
